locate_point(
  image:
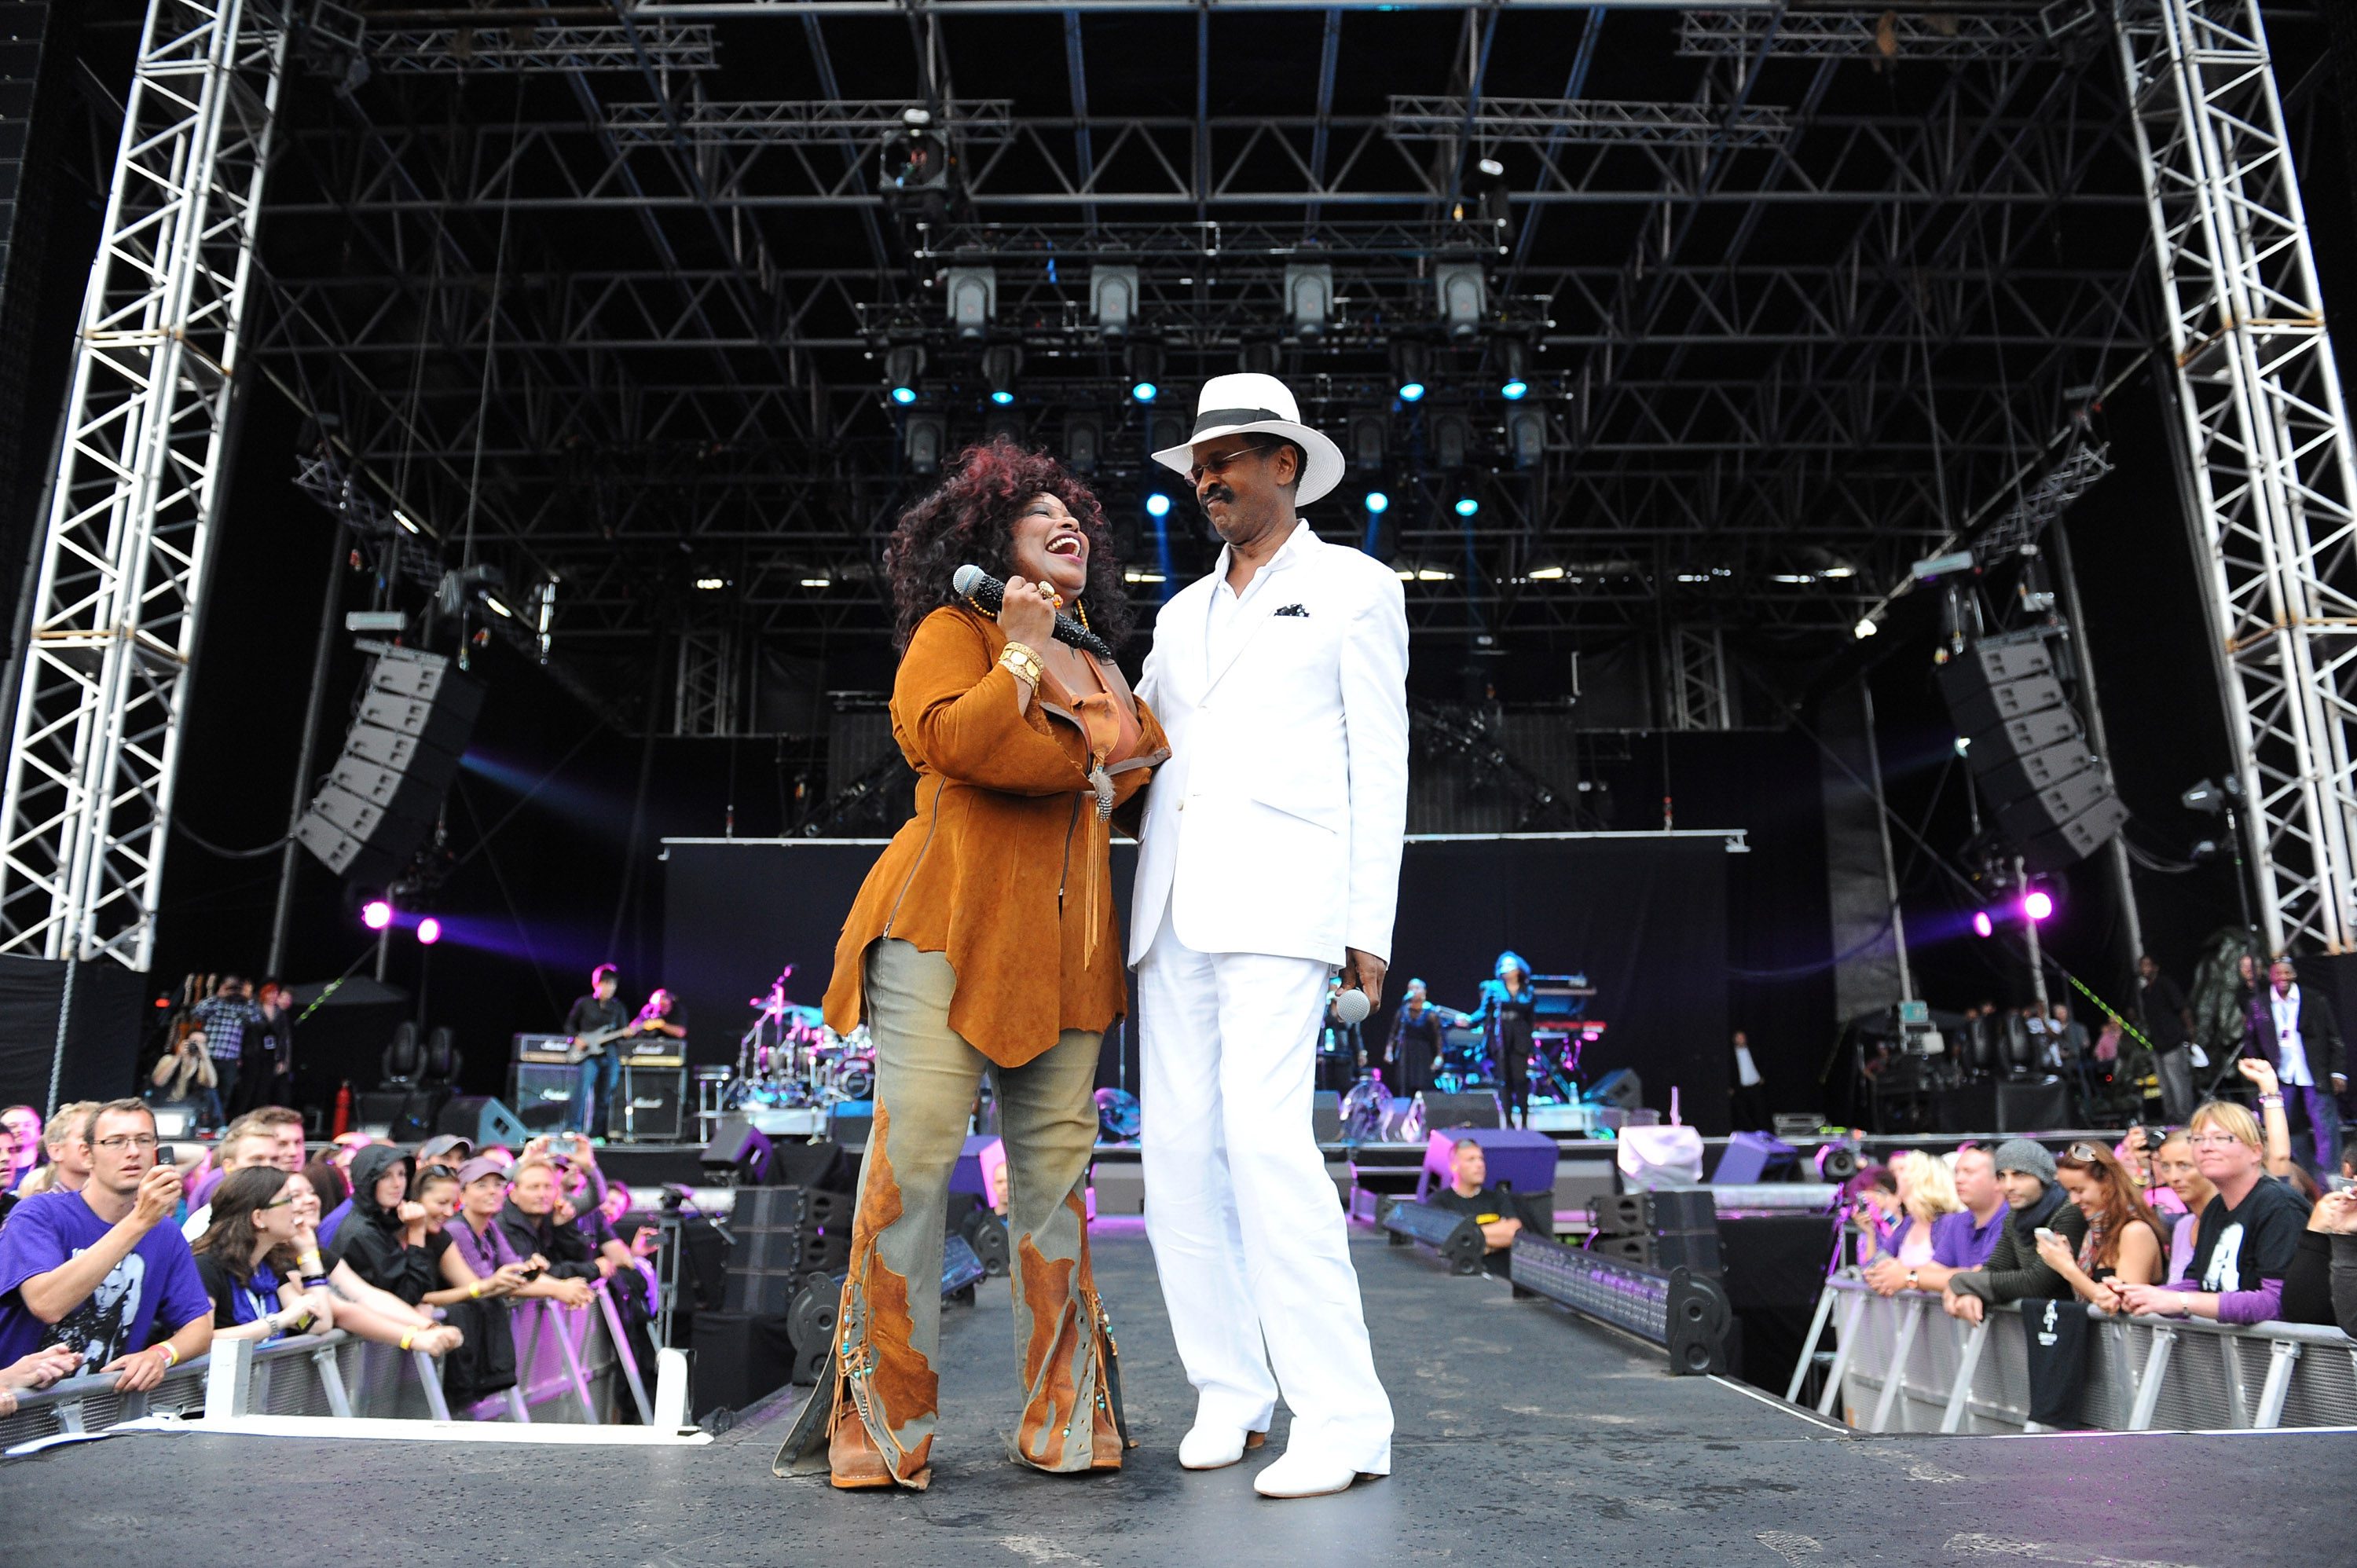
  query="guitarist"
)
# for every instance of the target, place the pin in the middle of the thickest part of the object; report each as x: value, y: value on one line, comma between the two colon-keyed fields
x: 595, y: 1018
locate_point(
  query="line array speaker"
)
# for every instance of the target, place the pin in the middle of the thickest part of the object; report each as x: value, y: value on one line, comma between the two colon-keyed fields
x: 402, y: 753
x: 2029, y: 754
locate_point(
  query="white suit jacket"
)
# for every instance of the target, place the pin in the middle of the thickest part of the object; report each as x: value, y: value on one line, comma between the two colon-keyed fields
x: 1276, y: 826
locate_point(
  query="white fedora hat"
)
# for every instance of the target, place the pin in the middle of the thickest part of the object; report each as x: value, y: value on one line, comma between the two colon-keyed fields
x: 1248, y: 403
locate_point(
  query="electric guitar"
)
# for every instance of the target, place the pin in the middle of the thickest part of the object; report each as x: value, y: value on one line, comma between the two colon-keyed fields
x: 593, y: 1044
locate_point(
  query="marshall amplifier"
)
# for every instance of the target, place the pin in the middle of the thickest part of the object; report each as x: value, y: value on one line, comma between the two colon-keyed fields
x: 543, y: 1047
x: 543, y: 1094
x: 649, y: 1104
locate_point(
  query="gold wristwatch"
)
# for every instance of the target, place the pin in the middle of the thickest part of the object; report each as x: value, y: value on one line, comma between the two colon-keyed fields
x: 1022, y: 661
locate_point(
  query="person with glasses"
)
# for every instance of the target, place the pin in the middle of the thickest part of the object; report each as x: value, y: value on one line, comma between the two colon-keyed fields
x: 246, y: 1258
x: 99, y: 1270
x: 2123, y: 1243
x: 2248, y: 1234
x: 2174, y: 1164
x: 2034, y: 1201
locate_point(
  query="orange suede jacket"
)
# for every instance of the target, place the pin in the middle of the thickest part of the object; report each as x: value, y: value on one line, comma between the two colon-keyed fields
x: 1005, y: 863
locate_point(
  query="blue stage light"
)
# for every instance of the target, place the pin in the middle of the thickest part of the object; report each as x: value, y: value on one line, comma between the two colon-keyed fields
x: 1378, y: 503
x: 1143, y: 391
x: 904, y: 396
x: 1002, y: 398
x: 1158, y: 505
x: 1514, y: 390
x: 1468, y: 506
x: 1411, y: 392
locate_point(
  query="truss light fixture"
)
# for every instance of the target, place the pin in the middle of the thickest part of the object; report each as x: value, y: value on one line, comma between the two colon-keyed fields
x: 1137, y: 575
x: 2037, y: 904
x: 1084, y: 441
x: 1526, y: 436
x: 818, y: 582
x: 1517, y: 384
x: 1982, y: 925
x: 1112, y: 300
x: 376, y: 914
x: 1491, y: 168
x: 1461, y: 296
x: 429, y: 931
x: 1000, y: 365
x: 1309, y: 299
x: 925, y: 439
x: 1378, y: 504
x: 903, y: 366
x: 972, y: 295
x: 1409, y: 361
x: 1467, y: 506
x: 1865, y: 629
x: 709, y: 584
x: 1145, y: 371
x: 1158, y: 505
x: 1427, y: 574
x: 1550, y: 573
x: 402, y: 518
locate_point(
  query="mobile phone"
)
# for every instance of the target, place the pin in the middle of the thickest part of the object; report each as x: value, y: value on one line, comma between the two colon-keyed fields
x: 165, y: 1154
x: 2043, y: 1234
x: 531, y: 1274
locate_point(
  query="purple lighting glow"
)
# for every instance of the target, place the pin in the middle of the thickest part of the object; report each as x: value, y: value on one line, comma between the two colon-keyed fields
x: 376, y: 914
x: 2038, y: 905
x: 1982, y: 925
x: 429, y: 931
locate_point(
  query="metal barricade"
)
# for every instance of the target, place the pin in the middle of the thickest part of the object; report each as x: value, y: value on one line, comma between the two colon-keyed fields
x: 573, y: 1364
x: 1902, y: 1364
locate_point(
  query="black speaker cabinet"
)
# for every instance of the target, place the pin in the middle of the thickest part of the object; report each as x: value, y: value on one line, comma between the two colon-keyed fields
x: 543, y: 1094
x: 2029, y: 754
x: 379, y: 800
x: 650, y: 1107
x: 479, y: 1119
x: 739, y: 1357
x: 1442, y: 1111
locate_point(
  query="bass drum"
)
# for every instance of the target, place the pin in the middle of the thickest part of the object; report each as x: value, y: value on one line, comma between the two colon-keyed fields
x: 856, y: 1080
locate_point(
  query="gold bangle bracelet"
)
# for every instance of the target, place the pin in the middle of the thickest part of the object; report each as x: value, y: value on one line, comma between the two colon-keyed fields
x: 1021, y: 661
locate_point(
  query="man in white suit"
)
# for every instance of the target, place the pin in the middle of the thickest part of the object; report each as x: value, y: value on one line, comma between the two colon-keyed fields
x: 1268, y: 856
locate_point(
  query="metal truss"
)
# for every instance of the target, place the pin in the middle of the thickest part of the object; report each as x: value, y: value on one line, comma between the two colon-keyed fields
x: 1562, y: 120
x: 2263, y: 442
x: 1889, y: 35
x: 524, y: 47
x: 861, y: 123
x: 1701, y: 695
x: 95, y: 743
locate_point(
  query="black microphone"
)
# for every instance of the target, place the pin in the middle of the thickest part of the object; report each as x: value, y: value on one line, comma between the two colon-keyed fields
x: 988, y: 592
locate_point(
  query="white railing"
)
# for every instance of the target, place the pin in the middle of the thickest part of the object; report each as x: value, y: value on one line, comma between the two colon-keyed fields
x: 1902, y: 1364
x: 573, y: 1365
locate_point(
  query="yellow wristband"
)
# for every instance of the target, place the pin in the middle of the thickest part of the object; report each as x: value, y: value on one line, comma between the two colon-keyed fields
x: 407, y: 1338
x: 474, y: 1290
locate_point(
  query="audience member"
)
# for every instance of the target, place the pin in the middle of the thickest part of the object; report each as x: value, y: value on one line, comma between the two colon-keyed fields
x: 242, y: 1146
x: 285, y: 1129
x: 2167, y: 1022
x: 346, y: 1154
x: 438, y: 1197
x: 2336, y: 1216
x: 2123, y: 1244
x: 1964, y: 1240
x: 360, y: 1307
x: 67, y: 1165
x: 2173, y: 1163
x: 2034, y: 1201
x: 617, y: 1200
x: 224, y: 1017
x: 97, y: 1270
x: 7, y: 1163
x: 1468, y: 1192
x: 445, y: 1151
x: 2248, y: 1232
x: 334, y: 1188
x: 539, y: 1222
x: 246, y: 1258
x: 24, y: 1124
x: 485, y: 1245
x: 266, y: 1067
x: 1927, y: 1194
x: 585, y: 1187
x: 1874, y: 1205
x: 373, y: 1236
x: 35, y: 1371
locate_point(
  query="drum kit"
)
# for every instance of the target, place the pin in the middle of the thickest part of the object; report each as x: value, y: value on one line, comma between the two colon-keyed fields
x: 790, y: 1057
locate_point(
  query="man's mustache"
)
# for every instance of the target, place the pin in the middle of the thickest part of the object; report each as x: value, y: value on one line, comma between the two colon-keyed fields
x: 1220, y: 493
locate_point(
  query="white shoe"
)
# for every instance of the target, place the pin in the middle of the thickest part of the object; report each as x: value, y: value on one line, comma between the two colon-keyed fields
x: 1216, y: 1447
x: 1299, y: 1474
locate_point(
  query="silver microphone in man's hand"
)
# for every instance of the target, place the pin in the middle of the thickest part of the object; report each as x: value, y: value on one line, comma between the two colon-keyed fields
x: 972, y: 582
x: 1352, y: 1007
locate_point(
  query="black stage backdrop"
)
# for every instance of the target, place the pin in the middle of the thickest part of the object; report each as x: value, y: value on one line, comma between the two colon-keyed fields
x: 101, y: 1030
x: 1643, y: 915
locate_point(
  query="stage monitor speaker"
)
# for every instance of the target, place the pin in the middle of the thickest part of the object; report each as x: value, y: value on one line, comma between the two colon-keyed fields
x: 1620, y: 1089
x: 1326, y: 1116
x: 819, y: 1166
x: 1751, y: 1157
x: 739, y: 1153
x: 481, y: 1119
x: 374, y: 1111
x: 985, y: 1232
x: 380, y: 799
x: 1479, y: 1107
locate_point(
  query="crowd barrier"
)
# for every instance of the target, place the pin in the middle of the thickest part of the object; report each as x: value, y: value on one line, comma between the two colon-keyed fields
x: 1901, y: 1364
x: 573, y: 1364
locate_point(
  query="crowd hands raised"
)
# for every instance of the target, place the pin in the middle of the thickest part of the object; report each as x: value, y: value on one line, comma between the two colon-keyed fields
x: 112, y: 1258
x: 2215, y: 1219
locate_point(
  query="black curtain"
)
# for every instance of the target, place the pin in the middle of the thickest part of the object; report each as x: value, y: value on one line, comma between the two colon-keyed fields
x: 101, y: 1055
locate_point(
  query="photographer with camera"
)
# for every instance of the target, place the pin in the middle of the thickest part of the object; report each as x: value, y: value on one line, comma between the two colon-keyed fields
x: 95, y: 1270
x: 184, y: 1075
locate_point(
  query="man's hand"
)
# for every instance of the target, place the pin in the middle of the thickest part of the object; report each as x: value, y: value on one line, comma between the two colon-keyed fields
x: 141, y: 1370
x: 565, y: 1213
x: 2258, y: 1073
x: 1969, y: 1308
x: 574, y: 1292
x: 160, y: 1194
x: 604, y: 1267
x: 2337, y: 1213
x: 2055, y: 1252
x: 1364, y: 971
x: 1886, y: 1276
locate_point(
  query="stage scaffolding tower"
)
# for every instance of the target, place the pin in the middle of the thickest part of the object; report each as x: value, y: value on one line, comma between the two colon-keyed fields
x: 2263, y: 442
x: 134, y: 504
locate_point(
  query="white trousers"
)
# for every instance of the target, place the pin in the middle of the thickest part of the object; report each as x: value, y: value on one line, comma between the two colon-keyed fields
x: 1248, y: 1237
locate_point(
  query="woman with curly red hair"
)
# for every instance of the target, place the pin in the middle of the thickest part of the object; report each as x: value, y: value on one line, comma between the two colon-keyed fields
x: 983, y: 942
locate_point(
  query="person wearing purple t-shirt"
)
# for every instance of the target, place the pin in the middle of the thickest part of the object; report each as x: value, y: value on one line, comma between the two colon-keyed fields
x: 1959, y: 1241
x: 96, y: 1269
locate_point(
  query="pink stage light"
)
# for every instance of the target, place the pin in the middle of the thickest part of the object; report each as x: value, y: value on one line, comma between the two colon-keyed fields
x: 429, y: 930
x: 376, y: 914
x: 2038, y: 905
x: 1982, y: 925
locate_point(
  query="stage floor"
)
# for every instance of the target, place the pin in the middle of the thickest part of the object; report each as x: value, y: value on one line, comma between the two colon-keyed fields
x: 1524, y: 1436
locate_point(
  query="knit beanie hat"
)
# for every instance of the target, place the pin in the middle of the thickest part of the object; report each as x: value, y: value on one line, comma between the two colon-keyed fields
x: 2021, y: 1155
